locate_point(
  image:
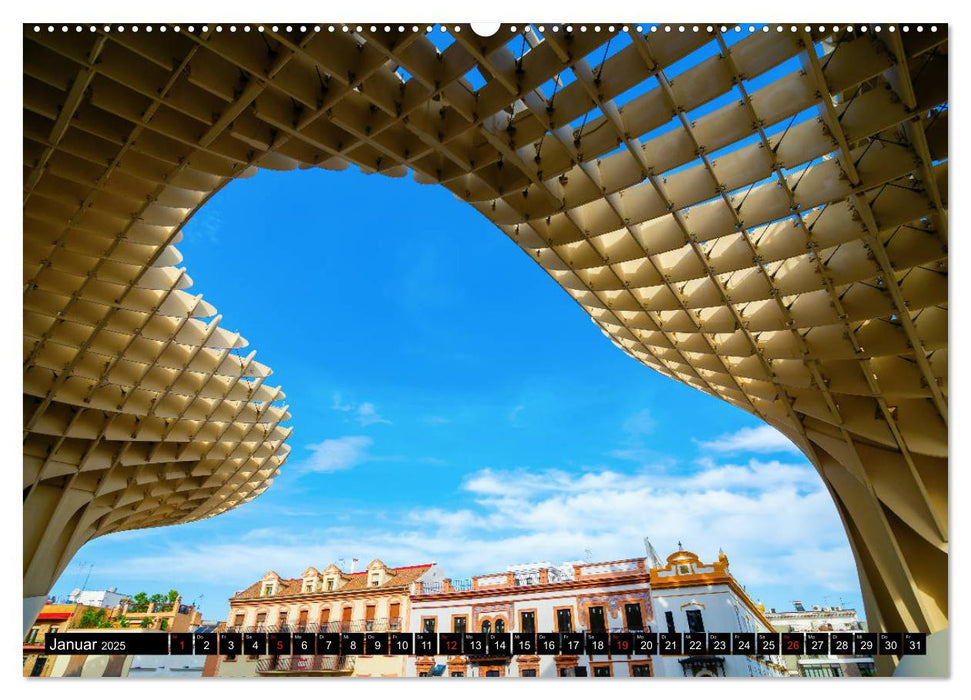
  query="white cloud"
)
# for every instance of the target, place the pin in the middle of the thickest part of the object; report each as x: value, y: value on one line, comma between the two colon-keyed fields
x: 339, y: 406
x: 367, y: 414
x: 775, y: 521
x: 514, y: 413
x: 640, y: 423
x: 762, y: 439
x: 337, y: 454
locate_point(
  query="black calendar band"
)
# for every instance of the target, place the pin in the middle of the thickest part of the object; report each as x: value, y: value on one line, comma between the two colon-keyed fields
x: 633, y: 643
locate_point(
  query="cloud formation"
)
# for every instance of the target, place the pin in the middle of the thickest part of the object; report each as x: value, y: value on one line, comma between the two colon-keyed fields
x: 337, y: 454
x: 640, y: 423
x: 774, y: 520
x: 763, y: 439
x: 366, y: 413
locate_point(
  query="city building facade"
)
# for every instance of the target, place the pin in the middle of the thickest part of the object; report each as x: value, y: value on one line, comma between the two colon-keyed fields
x: 109, y: 598
x: 691, y: 596
x: 172, y: 616
x: 52, y: 618
x: 373, y: 600
x: 123, y: 617
x: 613, y: 596
x: 822, y: 619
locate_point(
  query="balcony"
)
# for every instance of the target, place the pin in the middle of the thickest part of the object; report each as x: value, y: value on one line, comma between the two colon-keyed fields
x: 306, y: 666
x: 383, y: 624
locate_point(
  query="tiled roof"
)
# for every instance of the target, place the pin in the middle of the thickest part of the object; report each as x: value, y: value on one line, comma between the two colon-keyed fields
x: 400, y: 576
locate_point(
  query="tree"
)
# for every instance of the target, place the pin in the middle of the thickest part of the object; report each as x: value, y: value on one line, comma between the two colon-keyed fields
x: 157, y: 598
x: 94, y: 618
x: 123, y: 621
x: 146, y: 622
x: 141, y: 598
x: 173, y: 594
x: 165, y: 625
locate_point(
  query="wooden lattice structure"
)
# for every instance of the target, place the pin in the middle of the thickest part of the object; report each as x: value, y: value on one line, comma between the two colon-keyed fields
x: 792, y: 265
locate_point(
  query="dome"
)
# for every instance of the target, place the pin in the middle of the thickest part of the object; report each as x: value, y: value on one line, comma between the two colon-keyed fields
x: 683, y: 556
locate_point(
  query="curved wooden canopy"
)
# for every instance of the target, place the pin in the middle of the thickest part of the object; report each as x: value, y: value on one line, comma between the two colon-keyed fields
x: 763, y: 218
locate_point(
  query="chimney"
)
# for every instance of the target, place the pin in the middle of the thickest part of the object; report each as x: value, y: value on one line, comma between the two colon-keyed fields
x: 353, y: 565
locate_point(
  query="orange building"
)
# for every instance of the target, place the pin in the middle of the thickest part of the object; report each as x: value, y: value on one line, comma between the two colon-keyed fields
x: 170, y: 617
x: 52, y: 618
x: 167, y: 617
x: 374, y: 600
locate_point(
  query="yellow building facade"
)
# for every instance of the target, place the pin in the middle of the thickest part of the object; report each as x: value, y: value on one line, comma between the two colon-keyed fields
x: 376, y: 599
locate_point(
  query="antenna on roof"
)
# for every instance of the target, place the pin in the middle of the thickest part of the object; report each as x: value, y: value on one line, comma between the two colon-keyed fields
x: 84, y: 586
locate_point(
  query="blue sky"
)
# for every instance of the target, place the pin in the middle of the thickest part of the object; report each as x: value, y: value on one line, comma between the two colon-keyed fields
x: 451, y: 403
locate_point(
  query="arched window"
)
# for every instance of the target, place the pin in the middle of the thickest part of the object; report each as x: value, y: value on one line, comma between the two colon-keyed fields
x: 500, y: 626
x: 486, y: 626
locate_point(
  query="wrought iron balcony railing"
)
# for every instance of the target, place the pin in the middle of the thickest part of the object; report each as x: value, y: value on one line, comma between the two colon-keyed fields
x: 383, y: 624
x: 303, y: 664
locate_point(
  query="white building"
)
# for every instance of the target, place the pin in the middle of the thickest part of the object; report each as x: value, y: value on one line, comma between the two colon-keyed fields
x: 822, y: 619
x: 109, y: 598
x: 616, y: 596
x: 690, y: 596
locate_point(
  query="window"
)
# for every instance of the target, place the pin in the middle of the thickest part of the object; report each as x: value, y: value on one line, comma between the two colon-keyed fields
x: 500, y: 626
x: 528, y: 673
x: 564, y: 620
x: 283, y: 618
x: 492, y: 673
x: 38, y: 666
x: 527, y: 622
x: 669, y: 618
x: 867, y: 669
x: 486, y: 626
x: 324, y: 618
x: 641, y: 670
x: 32, y: 636
x: 330, y: 584
x: 268, y: 589
x: 822, y: 671
x: 238, y: 622
x: 428, y: 625
x: 597, y: 621
x: 375, y: 581
x: 458, y: 624
x: 369, y: 617
x: 632, y: 614
x: 695, y: 623
x: 394, y: 611
x: 458, y: 674
x: 601, y: 671
x: 52, y: 630
x: 261, y: 620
